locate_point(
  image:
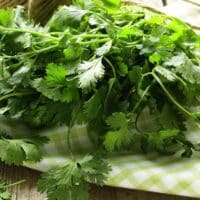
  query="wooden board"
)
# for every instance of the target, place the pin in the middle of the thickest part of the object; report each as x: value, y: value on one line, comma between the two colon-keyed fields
x: 12, y: 3
x: 41, y: 10
x: 28, y: 190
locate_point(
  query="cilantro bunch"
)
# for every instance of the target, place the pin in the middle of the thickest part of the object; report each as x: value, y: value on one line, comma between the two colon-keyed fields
x: 103, y: 65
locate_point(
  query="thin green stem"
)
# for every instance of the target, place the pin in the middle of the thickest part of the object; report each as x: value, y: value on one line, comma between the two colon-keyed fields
x: 111, y: 66
x: 40, y: 34
x: 140, y: 82
x: 142, y: 78
x: 68, y: 142
x: 91, y: 36
x: 101, y: 17
x: 41, y: 42
x: 93, y: 41
x: 32, y: 53
x: 16, y: 94
x: 172, y: 99
x: 71, y: 124
x: 16, y: 183
x: 142, y: 97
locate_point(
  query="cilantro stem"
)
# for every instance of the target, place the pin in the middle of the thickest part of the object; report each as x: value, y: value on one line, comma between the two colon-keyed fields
x: 91, y: 36
x: 101, y: 17
x: 16, y: 94
x: 71, y: 124
x: 28, y: 31
x: 142, y: 97
x: 16, y: 183
x: 41, y: 42
x: 142, y: 78
x: 173, y: 100
x: 68, y: 141
x: 112, y: 67
x: 32, y: 53
x: 94, y: 41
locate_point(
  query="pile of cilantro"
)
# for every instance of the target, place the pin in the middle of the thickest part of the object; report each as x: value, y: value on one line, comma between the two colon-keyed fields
x: 101, y: 64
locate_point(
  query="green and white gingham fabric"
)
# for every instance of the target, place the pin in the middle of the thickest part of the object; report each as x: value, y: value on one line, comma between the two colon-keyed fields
x: 172, y: 175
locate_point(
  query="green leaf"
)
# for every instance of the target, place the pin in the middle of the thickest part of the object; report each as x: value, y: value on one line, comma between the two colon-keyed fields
x: 19, y: 19
x: 101, y: 51
x: 55, y: 75
x: 93, y: 107
x: 112, y: 3
x: 24, y: 39
x: 50, y: 92
x: 175, y: 61
x: 117, y: 121
x: 70, y: 181
x: 135, y: 74
x: 184, y: 66
x: 170, y: 118
x: 15, y: 151
x: 115, y: 140
x: 4, y: 193
x: 121, y: 135
x: 55, y: 85
x: 89, y: 72
x: 73, y: 53
x: 66, y: 16
x: 123, y: 68
x: 169, y: 75
x: 6, y: 16
x: 159, y: 140
x: 189, y: 71
x: 155, y: 58
x: 21, y: 75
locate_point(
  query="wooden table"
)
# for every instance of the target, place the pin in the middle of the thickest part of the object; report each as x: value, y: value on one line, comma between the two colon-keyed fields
x: 28, y: 191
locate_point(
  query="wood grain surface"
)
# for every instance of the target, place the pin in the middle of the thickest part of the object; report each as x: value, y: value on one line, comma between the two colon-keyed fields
x: 12, y: 3
x: 41, y: 10
x: 28, y: 190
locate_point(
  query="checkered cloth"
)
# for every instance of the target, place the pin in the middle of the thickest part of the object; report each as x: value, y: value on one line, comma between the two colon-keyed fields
x: 172, y: 175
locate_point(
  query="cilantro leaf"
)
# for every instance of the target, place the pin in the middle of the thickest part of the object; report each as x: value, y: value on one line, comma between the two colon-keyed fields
x: 93, y: 107
x: 116, y: 139
x: 64, y: 182
x: 169, y: 118
x: 4, y: 193
x: 175, y: 61
x: 117, y: 121
x: 66, y: 16
x: 112, y: 3
x: 89, y: 72
x: 6, y: 17
x: 55, y: 85
x: 104, y: 49
x: 121, y: 134
x: 169, y: 75
x: 55, y: 75
x: 189, y: 71
x: 15, y: 151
